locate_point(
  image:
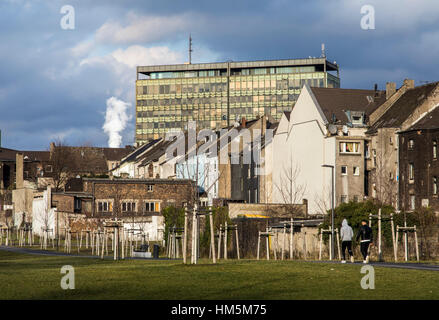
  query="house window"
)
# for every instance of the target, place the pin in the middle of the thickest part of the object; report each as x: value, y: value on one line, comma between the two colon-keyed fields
x: 104, y: 206
x: 344, y: 170
x: 344, y: 199
x: 358, y: 120
x: 356, y: 171
x: 49, y: 168
x: 152, y: 206
x: 150, y: 187
x: 128, y: 206
x: 77, y: 205
x: 411, y: 144
x: 411, y: 172
x: 434, y: 149
x: 412, y: 202
x: 434, y: 185
x: 349, y: 147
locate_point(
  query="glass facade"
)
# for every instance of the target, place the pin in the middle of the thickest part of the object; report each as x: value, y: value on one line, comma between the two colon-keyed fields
x: 168, y: 100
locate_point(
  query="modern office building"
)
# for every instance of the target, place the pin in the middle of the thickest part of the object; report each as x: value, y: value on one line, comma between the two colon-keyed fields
x: 216, y: 94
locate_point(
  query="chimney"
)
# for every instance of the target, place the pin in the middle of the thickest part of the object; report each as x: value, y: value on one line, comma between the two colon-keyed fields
x: 52, y: 147
x: 376, y: 89
x: 19, y: 183
x: 390, y: 89
x: 409, y: 83
x: 243, y: 122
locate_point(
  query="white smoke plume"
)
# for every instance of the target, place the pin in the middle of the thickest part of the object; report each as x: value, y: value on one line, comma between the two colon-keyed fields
x: 116, y: 118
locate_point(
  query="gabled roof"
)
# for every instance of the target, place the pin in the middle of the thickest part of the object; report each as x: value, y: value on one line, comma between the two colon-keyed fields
x: 133, y: 155
x: 335, y: 101
x: 7, y: 154
x: 10, y: 155
x: 428, y: 121
x: 155, y: 152
x: 401, y: 110
x: 37, y: 155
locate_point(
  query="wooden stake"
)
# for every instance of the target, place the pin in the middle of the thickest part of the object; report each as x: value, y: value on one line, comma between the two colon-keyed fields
x: 393, y: 237
x: 416, y: 244
x: 291, y: 238
x: 185, y: 236
x: 212, y: 238
x: 380, y: 256
x: 237, y: 242
x: 320, y: 246
x: 338, y: 243
x: 225, y: 240
x: 219, y: 242
x: 259, y: 243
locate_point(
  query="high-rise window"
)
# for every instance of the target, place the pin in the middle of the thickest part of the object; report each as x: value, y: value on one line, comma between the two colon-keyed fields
x: 434, y: 149
x: 434, y: 185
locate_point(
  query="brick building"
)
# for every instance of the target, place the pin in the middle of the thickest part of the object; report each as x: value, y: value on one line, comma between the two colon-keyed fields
x: 131, y: 197
x: 418, y: 164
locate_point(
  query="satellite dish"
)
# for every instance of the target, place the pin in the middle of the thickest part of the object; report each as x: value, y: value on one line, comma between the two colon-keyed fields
x: 332, y: 129
x: 345, y: 129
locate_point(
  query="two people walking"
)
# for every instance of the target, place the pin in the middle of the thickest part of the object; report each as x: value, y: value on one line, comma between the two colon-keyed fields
x: 346, y: 234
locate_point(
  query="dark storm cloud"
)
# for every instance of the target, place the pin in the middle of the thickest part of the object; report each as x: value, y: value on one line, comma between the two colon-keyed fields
x: 45, y: 90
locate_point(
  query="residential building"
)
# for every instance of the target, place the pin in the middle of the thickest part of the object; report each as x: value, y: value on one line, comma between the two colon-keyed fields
x: 217, y: 94
x: 400, y: 111
x: 325, y: 127
x: 418, y: 164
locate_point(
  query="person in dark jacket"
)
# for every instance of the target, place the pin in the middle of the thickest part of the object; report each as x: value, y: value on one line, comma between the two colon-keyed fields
x: 365, y: 234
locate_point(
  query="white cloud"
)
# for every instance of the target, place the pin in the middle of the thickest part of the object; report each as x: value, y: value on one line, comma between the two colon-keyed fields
x: 146, y: 29
x: 137, y: 55
x: 82, y: 49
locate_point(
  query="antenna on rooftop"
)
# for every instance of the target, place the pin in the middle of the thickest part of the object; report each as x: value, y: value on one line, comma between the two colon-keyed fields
x: 190, y: 49
x: 323, y: 51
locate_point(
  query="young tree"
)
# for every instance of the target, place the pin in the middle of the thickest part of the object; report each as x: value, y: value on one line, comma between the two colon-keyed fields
x: 289, y: 188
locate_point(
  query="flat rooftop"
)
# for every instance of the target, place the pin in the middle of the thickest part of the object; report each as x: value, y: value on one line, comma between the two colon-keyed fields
x: 330, y: 66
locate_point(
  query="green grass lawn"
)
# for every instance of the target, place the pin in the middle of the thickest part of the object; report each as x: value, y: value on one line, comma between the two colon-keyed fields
x: 24, y: 276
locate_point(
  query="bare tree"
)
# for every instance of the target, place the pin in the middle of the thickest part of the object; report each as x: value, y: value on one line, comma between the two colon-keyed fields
x: 290, y: 190
x: 384, y: 187
x: 61, y: 162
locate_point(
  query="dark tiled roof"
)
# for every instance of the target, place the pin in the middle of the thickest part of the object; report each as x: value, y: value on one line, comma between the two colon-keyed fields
x: 335, y: 101
x: 134, y: 154
x: 429, y: 121
x: 139, y: 181
x: 403, y: 107
x: 7, y: 154
x: 116, y: 154
x: 10, y: 155
x: 156, y: 152
x: 37, y: 155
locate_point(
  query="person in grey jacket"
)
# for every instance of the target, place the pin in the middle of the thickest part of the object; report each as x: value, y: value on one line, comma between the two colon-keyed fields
x: 346, y: 234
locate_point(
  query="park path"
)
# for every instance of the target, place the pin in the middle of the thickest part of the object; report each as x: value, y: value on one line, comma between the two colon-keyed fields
x: 43, y: 252
x: 414, y: 266
x: 401, y: 265
x: 64, y: 254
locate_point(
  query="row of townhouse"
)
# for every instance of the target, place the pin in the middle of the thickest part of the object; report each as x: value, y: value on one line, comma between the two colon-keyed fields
x: 381, y: 144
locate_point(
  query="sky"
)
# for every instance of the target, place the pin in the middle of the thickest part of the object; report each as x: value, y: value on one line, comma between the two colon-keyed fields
x: 59, y: 84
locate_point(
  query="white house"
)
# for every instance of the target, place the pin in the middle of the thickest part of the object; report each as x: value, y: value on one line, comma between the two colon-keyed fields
x: 325, y: 127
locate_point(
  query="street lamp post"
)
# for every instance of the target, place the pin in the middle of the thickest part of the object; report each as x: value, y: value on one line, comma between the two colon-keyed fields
x: 332, y: 209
